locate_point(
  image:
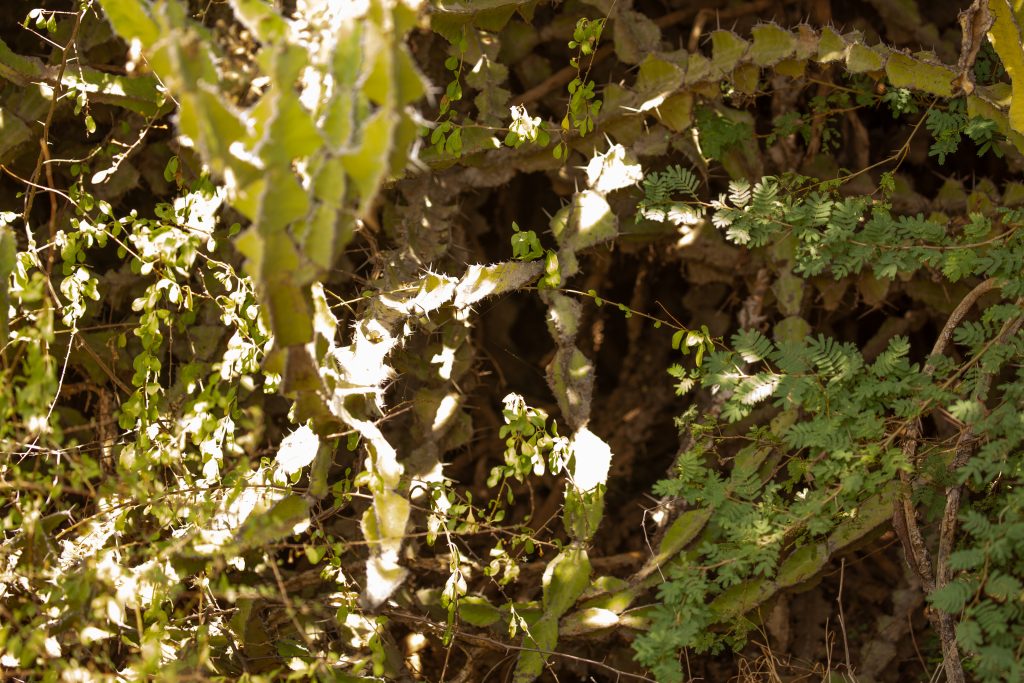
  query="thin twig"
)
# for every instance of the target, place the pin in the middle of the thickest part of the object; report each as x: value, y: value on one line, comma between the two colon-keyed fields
x: 289, y: 606
x: 44, y: 140
x: 842, y: 616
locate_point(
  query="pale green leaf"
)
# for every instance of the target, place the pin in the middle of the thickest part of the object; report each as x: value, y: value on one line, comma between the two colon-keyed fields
x: 831, y: 46
x: 280, y: 521
x: 260, y: 17
x: 1006, y: 37
x: 657, y: 76
x: 480, y: 282
x: 592, y: 458
x: 565, y: 579
x: 905, y: 71
x: 635, y: 36
x: 862, y: 58
x: 368, y: 165
x: 741, y: 598
x: 802, y: 565
x: 682, y: 530
x: 283, y: 202
x: 727, y: 49
x: 476, y: 611
x: 771, y: 44
x: 537, y: 644
x: 131, y: 19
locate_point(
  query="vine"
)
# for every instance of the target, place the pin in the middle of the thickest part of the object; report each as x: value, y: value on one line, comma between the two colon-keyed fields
x: 172, y: 516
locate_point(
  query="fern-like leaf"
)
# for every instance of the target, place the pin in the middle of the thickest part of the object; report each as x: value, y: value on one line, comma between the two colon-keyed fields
x: 752, y: 345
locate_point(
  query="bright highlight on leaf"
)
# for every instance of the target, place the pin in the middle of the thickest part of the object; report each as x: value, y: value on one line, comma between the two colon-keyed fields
x: 613, y: 170
x: 593, y: 459
x: 297, y: 450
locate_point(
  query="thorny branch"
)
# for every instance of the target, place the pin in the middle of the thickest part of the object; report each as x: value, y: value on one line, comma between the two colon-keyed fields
x: 905, y: 514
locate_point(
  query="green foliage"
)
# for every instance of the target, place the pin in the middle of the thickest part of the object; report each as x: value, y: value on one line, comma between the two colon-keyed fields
x: 446, y: 136
x: 718, y: 133
x: 584, y: 106
x: 525, y: 244
x: 658, y: 203
x: 901, y: 101
x: 948, y: 128
x: 831, y: 448
x: 988, y: 68
x: 848, y: 235
x: 529, y: 446
x: 525, y: 129
x: 204, y: 449
x: 986, y: 595
x: 171, y: 516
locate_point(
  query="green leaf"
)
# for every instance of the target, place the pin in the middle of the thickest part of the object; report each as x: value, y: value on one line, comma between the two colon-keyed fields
x: 587, y: 620
x: 657, y: 76
x: 291, y: 134
x: 863, y: 59
x: 213, y: 125
x: 789, y: 290
x: 476, y: 611
x: 171, y: 169
x: 260, y: 18
x: 14, y: 132
x: 831, y: 46
x: 537, y: 644
x: 741, y: 598
x: 905, y: 71
x: 727, y: 49
x: 283, y: 201
x: 869, y: 515
x: 592, y: 222
x: 474, y: 6
x: 792, y: 329
x: 676, y: 112
x: 297, y: 450
x: 368, y: 165
x: 771, y: 44
x: 802, y: 565
x: 634, y: 35
x: 679, y: 534
x: 494, y: 19
x: 290, y: 315
x: 480, y: 282
x: 565, y: 579
x: 131, y: 19
x: 752, y: 345
x: 952, y: 597
x: 319, y: 470
x: 280, y: 521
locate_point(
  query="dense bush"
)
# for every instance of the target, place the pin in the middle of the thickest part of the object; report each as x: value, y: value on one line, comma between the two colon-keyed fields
x: 276, y: 400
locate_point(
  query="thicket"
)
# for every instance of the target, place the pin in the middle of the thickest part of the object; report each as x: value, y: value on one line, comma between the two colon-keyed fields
x: 505, y: 339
